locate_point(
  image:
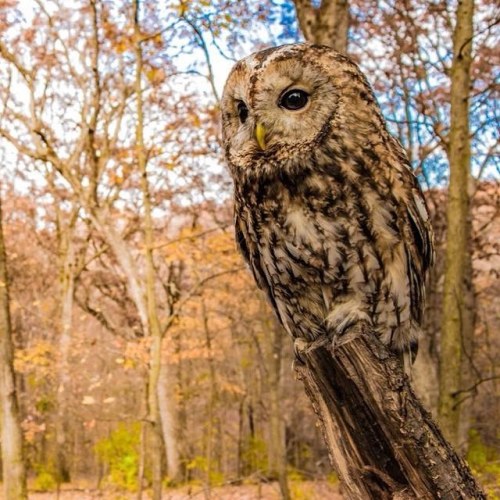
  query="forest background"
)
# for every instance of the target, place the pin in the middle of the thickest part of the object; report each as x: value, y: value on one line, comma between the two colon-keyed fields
x: 144, y: 354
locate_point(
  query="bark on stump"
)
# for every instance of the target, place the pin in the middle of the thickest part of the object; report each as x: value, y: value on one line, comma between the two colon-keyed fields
x: 381, y: 441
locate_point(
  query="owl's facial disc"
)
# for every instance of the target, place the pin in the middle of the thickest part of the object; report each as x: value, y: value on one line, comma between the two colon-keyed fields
x: 274, y: 107
x: 282, y: 104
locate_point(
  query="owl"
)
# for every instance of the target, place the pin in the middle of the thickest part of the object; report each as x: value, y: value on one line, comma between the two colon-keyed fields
x: 328, y: 213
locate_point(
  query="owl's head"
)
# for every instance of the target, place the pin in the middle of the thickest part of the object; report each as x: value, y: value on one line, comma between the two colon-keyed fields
x: 283, y: 102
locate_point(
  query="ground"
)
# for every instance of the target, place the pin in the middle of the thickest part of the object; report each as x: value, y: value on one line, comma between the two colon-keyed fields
x: 304, y: 490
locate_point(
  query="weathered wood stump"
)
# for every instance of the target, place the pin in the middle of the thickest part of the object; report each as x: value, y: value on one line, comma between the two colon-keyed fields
x: 381, y: 440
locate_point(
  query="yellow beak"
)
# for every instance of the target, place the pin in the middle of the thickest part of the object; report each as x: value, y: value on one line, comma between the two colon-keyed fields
x: 260, y: 135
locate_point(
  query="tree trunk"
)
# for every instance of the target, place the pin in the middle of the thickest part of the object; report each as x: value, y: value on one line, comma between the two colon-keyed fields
x: 212, y: 436
x: 382, y: 442
x: 67, y: 291
x: 13, y: 470
x: 62, y: 463
x: 277, y: 445
x: 457, y: 324
x: 181, y: 382
x: 327, y: 24
x: 465, y: 398
x: 142, y: 459
x: 155, y: 331
x: 168, y: 418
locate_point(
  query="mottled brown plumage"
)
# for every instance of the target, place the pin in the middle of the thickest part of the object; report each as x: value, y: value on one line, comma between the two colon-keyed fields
x: 328, y: 213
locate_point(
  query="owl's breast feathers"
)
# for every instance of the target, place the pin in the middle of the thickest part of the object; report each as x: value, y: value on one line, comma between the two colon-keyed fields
x: 338, y: 237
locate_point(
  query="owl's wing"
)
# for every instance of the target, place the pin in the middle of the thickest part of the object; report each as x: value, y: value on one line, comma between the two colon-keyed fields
x: 420, y: 254
x: 251, y: 255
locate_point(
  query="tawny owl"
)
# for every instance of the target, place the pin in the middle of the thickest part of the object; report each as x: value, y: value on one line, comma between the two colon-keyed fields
x: 328, y: 213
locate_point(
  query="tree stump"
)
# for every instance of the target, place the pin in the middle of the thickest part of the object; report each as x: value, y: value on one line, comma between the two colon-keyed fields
x: 381, y: 441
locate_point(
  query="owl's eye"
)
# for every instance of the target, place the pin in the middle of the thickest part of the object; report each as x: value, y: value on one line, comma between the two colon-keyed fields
x: 294, y: 99
x: 242, y: 111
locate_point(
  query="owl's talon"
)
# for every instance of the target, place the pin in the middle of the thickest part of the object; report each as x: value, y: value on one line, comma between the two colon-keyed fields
x: 302, y: 346
x: 299, y: 347
x: 298, y: 363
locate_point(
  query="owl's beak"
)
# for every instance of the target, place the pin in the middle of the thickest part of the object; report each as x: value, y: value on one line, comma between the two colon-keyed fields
x: 260, y: 135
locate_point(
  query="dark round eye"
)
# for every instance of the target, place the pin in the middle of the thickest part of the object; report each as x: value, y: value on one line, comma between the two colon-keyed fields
x: 294, y: 99
x: 242, y: 111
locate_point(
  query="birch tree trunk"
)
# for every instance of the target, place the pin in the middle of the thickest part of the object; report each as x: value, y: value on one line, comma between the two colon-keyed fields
x: 13, y: 469
x: 327, y: 24
x: 457, y: 324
